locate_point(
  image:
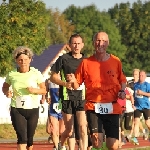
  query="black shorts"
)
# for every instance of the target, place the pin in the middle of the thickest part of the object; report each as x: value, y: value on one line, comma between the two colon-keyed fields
x: 138, y: 113
x: 71, y: 106
x: 125, y: 119
x: 108, y: 122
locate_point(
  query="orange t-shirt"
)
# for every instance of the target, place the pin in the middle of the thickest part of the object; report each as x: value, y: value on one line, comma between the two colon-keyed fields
x: 102, y: 81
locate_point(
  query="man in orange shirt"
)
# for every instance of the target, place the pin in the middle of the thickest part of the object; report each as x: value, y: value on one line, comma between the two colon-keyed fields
x: 105, y: 82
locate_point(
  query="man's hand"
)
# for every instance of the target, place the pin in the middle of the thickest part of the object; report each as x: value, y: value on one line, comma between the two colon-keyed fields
x: 133, y: 107
x: 139, y: 92
x: 71, y: 77
x: 48, y: 100
x: 121, y: 95
x: 69, y: 85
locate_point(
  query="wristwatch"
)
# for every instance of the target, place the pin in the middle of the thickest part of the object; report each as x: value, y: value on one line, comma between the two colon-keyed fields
x: 122, y: 91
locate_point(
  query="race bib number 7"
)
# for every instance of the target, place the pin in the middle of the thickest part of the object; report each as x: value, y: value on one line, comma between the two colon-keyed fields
x: 24, y: 102
x: 104, y: 108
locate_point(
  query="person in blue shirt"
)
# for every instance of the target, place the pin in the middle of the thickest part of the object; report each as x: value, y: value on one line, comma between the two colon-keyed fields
x: 141, y: 103
x: 56, y: 122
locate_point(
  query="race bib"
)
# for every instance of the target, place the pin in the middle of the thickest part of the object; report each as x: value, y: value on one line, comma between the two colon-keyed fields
x: 24, y: 102
x: 104, y: 108
x: 139, y: 96
x: 56, y: 107
x: 81, y: 87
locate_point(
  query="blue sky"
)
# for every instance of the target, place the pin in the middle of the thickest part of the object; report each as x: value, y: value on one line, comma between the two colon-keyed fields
x: 101, y: 4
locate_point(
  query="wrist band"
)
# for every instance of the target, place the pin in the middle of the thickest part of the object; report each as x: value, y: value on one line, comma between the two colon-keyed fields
x: 121, y: 91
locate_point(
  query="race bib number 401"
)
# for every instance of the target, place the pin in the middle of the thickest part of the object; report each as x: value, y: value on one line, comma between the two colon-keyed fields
x: 104, y: 108
x: 24, y: 102
x: 137, y: 95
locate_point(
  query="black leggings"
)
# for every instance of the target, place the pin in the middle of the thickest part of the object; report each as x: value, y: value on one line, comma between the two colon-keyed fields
x: 24, y: 122
x: 126, y: 118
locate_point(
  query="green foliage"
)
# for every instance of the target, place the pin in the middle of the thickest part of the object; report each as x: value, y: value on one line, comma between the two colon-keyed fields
x: 27, y: 22
x: 59, y: 28
x: 88, y: 21
x: 134, y: 25
x: 22, y: 23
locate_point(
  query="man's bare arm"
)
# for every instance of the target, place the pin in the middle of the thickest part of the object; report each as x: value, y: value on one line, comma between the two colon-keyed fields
x: 55, y: 79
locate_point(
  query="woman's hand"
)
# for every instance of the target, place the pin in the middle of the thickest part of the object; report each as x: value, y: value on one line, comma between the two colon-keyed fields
x: 31, y: 90
x: 9, y: 94
x: 7, y: 90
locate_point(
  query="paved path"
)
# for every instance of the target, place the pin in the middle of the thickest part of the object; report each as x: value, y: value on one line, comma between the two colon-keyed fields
x: 44, y: 145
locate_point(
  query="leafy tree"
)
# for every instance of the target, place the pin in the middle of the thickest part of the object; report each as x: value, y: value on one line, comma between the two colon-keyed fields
x: 133, y: 23
x: 22, y: 22
x: 88, y: 21
x: 59, y: 28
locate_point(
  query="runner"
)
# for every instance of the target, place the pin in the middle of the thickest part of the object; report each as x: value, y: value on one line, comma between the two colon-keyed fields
x: 72, y: 100
x: 142, y: 104
x: 131, y: 83
x: 55, y: 115
x: 105, y: 82
x: 127, y: 115
x: 27, y: 83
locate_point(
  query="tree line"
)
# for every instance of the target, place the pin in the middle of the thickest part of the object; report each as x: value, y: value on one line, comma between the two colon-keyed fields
x: 31, y: 24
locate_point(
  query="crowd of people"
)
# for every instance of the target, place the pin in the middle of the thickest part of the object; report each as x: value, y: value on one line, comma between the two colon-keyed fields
x: 89, y: 99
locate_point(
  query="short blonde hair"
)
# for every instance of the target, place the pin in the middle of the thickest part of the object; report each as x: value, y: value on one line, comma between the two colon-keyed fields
x: 138, y: 70
x: 22, y: 50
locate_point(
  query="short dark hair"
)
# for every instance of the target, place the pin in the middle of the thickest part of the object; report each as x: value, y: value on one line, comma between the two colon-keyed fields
x: 75, y: 36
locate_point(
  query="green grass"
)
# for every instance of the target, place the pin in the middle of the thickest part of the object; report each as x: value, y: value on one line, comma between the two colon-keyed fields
x: 7, y: 131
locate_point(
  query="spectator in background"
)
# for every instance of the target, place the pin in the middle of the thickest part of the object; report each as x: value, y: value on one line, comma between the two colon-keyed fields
x: 27, y: 83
